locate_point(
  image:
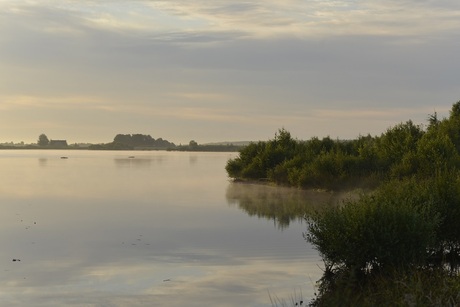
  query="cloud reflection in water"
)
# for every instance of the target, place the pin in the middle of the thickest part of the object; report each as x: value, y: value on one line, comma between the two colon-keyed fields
x: 91, y: 231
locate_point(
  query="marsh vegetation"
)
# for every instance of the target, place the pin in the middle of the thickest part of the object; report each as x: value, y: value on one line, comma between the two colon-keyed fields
x: 397, y: 245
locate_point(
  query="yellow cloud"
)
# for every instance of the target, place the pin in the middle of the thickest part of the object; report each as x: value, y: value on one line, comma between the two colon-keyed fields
x: 376, y: 114
x: 24, y: 101
x: 201, y: 96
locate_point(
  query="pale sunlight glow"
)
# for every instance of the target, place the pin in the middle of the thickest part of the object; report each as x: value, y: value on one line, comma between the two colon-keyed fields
x: 215, y: 71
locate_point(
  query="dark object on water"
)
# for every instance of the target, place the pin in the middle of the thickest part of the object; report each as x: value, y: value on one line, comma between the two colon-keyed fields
x: 14, y: 259
x: 131, y: 157
x: 64, y: 157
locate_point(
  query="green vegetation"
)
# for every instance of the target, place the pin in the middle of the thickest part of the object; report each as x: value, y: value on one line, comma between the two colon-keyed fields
x: 406, y: 231
x: 398, y: 245
x: 423, y: 287
x: 402, y: 151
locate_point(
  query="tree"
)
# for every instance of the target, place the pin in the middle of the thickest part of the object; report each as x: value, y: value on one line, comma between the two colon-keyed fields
x: 455, y: 112
x: 433, y: 120
x: 43, y: 140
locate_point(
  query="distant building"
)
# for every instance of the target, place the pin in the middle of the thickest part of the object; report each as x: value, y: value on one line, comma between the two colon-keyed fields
x: 58, y: 143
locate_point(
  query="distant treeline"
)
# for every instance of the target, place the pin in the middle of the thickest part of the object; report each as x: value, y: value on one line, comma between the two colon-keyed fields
x: 15, y: 146
x: 127, y: 142
x: 402, y: 151
x: 134, y: 141
x: 193, y: 146
x: 146, y: 142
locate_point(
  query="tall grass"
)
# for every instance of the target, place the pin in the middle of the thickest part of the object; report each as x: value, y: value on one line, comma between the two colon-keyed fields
x: 295, y: 300
x: 398, y: 246
x: 420, y: 287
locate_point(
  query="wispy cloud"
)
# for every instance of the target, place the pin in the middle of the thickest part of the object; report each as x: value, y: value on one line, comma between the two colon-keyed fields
x: 311, y: 18
x: 249, y: 19
x: 40, y: 102
x: 374, y: 113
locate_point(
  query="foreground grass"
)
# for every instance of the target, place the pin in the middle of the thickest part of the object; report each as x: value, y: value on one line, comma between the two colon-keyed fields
x: 416, y: 288
x: 422, y: 287
x: 295, y: 300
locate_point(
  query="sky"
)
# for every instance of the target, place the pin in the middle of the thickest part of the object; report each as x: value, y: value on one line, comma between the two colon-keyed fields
x: 224, y: 70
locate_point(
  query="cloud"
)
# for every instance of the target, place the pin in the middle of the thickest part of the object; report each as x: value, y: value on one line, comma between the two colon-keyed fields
x: 40, y: 102
x: 201, y: 21
x: 237, y: 64
x: 312, y: 18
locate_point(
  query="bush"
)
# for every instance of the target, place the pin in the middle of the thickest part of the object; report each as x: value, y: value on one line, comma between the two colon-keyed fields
x: 374, y: 232
x: 404, y: 226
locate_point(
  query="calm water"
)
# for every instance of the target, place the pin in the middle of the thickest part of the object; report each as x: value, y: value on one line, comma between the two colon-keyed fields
x: 159, y: 229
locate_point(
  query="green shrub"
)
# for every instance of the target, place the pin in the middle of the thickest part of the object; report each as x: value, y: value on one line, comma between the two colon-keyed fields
x: 374, y: 232
x: 404, y: 226
x: 404, y: 223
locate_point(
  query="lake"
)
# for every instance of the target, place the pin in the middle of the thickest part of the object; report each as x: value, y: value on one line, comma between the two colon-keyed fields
x: 150, y: 228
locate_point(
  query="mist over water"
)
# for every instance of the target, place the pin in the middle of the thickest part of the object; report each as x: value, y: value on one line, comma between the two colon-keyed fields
x: 146, y: 228
x: 282, y: 205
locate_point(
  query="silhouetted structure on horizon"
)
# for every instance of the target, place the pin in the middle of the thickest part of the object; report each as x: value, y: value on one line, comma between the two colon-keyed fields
x: 58, y: 143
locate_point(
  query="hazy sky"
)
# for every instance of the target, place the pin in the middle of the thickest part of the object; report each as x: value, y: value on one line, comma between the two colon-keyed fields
x: 223, y: 70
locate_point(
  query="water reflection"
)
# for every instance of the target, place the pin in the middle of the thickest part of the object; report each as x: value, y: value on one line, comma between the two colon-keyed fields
x: 101, y: 228
x: 42, y: 162
x: 132, y: 161
x: 280, y: 204
x: 193, y: 159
